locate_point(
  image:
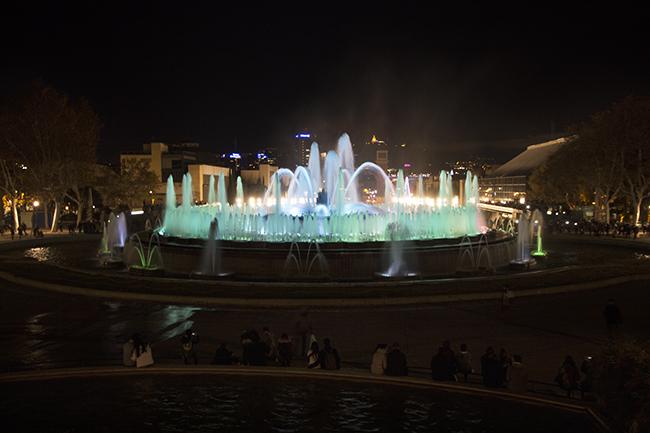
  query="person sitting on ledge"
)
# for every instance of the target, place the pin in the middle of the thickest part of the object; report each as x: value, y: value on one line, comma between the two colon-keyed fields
x: 329, y: 357
x: 223, y: 356
x: 313, y: 356
x: 255, y: 351
x: 285, y: 349
x: 378, y: 365
x: 396, y: 362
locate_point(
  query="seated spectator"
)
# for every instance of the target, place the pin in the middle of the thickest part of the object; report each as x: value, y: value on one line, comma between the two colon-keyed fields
x: 223, y: 356
x: 396, y: 362
x: 378, y: 365
x: 329, y: 357
x: 127, y: 351
x: 313, y: 356
x: 255, y: 351
x: 517, y: 375
x: 285, y: 349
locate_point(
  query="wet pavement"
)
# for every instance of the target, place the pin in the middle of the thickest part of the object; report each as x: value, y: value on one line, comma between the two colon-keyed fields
x: 41, y: 329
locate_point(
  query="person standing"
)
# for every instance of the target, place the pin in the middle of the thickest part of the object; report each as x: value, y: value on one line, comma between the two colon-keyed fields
x: 189, y: 346
x: 517, y: 375
x: 613, y: 317
x: 464, y: 361
x: 506, y: 298
x: 268, y: 338
x: 490, y: 368
x: 568, y: 377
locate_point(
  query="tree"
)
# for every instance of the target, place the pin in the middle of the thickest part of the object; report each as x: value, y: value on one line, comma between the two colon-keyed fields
x: 630, y: 122
x: 622, y: 384
x: 608, y: 160
x: 55, y: 138
x: 130, y: 187
x: 555, y: 181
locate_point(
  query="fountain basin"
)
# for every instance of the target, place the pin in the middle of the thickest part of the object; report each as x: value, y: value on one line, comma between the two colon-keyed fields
x: 216, y: 276
x: 358, y: 261
x: 146, y: 272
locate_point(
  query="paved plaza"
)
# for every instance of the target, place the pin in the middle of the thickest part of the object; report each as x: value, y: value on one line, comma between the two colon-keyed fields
x: 43, y: 329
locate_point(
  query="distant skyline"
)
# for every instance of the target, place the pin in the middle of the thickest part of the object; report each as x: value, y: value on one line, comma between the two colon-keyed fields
x: 257, y: 75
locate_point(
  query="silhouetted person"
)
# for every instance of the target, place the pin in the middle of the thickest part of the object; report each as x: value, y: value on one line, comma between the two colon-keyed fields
x: 587, y: 383
x: 223, y: 356
x: 189, y: 346
x: 285, y: 349
x: 313, y: 356
x: 443, y: 364
x: 379, y: 362
x: 504, y: 364
x: 568, y: 377
x: 490, y: 368
x: 255, y: 351
x: 464, y: 361
x: 329, y: 357
x: 396, y: 362
x: 613, y: 316
x: 517, y: 375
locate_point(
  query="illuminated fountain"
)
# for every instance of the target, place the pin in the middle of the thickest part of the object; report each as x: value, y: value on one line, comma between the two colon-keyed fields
x: 113, y: 240
x: 538, y: 222
x: 290, y: 210
x: 523, y: 259
x: 317, y: 210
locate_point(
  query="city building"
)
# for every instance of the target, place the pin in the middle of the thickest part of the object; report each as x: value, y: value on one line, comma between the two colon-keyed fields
x: 386, y: 155
x: 508, y: 183
x: 179, y: 159
x: 302, y: 147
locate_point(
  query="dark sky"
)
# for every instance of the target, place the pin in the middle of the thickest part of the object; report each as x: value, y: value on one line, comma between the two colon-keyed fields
x: 453, y: 81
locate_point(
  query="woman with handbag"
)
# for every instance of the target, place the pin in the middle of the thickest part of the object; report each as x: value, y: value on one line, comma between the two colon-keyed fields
x: 141, y: 355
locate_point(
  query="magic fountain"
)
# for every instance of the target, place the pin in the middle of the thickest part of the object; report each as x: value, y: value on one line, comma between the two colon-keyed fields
x: 317, y: 211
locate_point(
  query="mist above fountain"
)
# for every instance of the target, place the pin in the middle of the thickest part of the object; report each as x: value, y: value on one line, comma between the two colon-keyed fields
x: 321, y: 203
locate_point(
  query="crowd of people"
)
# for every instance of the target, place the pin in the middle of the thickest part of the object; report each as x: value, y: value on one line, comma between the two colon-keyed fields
x: 497, y: 370
x: 596, y: 228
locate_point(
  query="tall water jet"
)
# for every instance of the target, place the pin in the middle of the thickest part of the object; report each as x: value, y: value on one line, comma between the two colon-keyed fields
x: 345, y: 152
x: 211, y: 265
x: 522, y: 254
x: 420, y: 187
x: 170, y: 196
x: 314, y: 167
x: 222, y: 194
x: 212, y: 194
x: 331, y: 171
x: 116, y: 230
x: 187, y: 191
x: 239, y: 192
x: 538, y: 222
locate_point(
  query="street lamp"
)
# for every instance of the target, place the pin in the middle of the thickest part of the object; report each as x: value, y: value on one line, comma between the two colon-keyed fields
x: 36, y: 203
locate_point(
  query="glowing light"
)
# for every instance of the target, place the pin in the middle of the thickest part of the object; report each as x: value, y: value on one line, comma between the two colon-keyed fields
x: 522, y: 200
x: 36, y: 203
x: 234, y: 155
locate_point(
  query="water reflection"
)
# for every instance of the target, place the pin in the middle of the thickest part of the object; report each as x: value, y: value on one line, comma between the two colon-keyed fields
x: 238, y: 404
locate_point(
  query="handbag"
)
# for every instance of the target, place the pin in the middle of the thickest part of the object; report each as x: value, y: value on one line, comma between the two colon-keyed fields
x: 145, y: 359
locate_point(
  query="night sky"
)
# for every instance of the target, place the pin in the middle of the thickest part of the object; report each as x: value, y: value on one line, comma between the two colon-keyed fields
x: 453, y: 82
